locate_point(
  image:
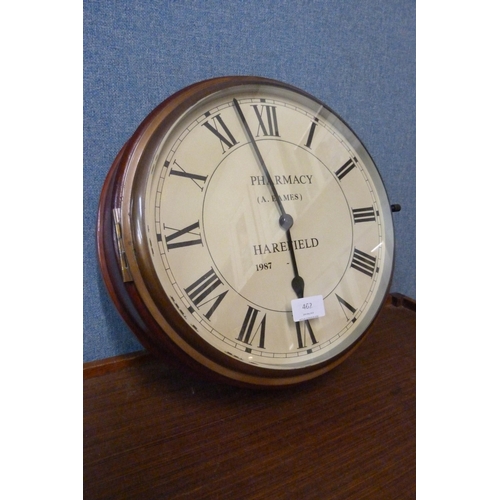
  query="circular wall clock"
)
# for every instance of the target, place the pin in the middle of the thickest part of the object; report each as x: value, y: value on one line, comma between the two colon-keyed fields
x: 245, y: 230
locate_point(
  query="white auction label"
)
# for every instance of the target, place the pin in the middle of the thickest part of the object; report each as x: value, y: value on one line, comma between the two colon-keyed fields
x: 308, y: 308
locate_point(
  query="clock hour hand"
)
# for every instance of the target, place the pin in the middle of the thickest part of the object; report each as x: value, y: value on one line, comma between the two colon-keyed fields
x: 285, y: 220
x: 298, y: 281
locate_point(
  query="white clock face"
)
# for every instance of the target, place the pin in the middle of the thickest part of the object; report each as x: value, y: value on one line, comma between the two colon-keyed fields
x: 215, y: 193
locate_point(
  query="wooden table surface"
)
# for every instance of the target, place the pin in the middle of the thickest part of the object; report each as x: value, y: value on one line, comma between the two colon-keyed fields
x: 152, y: 432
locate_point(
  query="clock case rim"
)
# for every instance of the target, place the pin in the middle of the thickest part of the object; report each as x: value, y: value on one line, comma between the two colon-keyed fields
x: 142, y: 303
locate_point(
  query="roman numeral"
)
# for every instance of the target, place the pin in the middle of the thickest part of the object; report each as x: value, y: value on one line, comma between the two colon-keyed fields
x: 345, y: 305
x: 224, y: 136
x: 201, y: 289
x: 247, y: 332
x: 366, y: 214
x: 181, y: 232
x: 363, y: 262
x: 302, y: 336
x: 269, y: 126
x: 345, y: 168
x: 180, y: 172
x: 311, y: 133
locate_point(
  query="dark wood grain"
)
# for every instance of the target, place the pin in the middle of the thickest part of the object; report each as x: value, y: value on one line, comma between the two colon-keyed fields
x: 152, y: 432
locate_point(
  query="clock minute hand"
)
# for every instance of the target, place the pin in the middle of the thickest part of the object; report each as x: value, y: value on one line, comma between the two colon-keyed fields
x: 285, y: 220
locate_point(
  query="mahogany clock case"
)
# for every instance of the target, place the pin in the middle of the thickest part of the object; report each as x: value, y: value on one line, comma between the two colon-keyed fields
x: 153, y: 317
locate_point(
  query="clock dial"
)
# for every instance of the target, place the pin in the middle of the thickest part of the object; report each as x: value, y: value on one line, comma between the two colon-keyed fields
x: 239, y: 197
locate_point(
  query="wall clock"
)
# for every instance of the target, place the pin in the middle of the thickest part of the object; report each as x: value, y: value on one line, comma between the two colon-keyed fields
x: 245, y: 230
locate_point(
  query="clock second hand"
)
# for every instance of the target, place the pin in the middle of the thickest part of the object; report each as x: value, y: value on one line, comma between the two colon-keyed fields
x: 285, y: 220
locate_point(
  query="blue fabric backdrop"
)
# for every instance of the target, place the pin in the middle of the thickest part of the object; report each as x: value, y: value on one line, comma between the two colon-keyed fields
x: 357, y: 56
